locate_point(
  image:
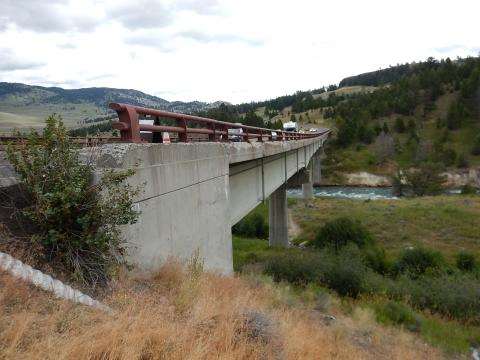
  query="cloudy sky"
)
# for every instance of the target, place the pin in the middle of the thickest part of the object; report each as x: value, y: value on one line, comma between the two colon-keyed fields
x: 232, y: 50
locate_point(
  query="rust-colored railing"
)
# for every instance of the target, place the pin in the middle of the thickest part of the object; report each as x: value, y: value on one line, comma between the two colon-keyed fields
x: 211, y: 130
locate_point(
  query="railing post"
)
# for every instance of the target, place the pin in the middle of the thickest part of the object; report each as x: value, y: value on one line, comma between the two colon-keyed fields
x: 183, y: 137
x: 212, y: 137
x: 131, y: 131
x: 260, y: 139
x: 156, y: 135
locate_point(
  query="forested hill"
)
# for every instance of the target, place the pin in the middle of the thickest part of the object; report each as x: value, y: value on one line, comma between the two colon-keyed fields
x: 379, y: 77
x: 401, y: 116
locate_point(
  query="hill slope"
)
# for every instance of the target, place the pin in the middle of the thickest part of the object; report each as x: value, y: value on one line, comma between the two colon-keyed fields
x: 24, y: 105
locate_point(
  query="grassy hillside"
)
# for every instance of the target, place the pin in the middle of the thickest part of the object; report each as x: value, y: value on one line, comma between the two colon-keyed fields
x: 23, y: 106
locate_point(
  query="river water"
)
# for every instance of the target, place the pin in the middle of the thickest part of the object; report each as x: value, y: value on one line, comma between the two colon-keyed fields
x: 347, y: 192
x: 355, y: 192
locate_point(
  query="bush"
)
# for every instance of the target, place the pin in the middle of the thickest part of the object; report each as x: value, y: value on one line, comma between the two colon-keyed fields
x: 376, y: 259
x: 341, y: 231
x: 417, y: 261
x: 400, y: 125
x: 426, y: 180
x: 398, y: 314
x: 476, y: 146
x: 255, y: 224
x: 295, y: 267
x: 346, y: 275
x: 466, y: 261
x: 78, y: 222
x: 462, y: 161
x: 456, y: 296
x: 468, y: 190
x: 449, y: 157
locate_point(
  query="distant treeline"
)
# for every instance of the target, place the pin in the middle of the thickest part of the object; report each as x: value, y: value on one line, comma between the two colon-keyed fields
x: 94, y: 129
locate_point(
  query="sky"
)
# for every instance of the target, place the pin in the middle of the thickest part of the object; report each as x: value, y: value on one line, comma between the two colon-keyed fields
x: 229, y: 50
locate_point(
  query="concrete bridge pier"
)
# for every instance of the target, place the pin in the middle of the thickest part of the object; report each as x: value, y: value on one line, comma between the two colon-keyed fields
x: 277, y: 213
x: 307, y: 187
x: 316, y: 168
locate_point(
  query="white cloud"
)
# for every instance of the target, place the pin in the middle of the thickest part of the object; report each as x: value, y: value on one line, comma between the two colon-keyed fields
x: 229, y: 50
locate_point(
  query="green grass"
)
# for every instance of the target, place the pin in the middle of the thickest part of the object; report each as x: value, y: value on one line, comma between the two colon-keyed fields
x: 446, y: 223
x: 451, y: 336
x: 33, y: 115
x: 251, y: 250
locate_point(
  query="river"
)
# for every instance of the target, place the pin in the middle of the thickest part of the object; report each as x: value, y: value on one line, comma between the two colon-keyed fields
x: 355, y: 192
x: 347, y: 192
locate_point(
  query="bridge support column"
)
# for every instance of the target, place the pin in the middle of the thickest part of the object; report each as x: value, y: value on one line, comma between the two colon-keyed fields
x: 316, y: 168
x: 307, y: 190
x: 307, y: 187
x: 278, y: 223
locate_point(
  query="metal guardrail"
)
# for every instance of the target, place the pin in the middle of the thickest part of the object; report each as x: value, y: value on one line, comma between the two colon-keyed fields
x: 213, y: 130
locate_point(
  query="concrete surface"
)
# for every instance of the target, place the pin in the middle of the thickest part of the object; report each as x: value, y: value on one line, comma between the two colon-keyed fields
x: 278, y: 218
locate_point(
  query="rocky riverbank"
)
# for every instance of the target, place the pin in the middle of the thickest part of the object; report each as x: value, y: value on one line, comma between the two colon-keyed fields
x: 454, y: 179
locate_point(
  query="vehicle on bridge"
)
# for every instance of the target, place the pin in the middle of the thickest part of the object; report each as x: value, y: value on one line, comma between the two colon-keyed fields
x: 290, y: 126
x: 235, y: 134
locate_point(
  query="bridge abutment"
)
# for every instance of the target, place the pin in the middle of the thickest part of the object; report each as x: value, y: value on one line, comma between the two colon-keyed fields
x: 277, y: 214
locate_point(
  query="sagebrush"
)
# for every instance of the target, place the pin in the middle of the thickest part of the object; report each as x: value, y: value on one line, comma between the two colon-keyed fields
x: 77, y: 220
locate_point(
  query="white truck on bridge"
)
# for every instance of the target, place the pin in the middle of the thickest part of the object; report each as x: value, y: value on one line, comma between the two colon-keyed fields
x: 290, y: 126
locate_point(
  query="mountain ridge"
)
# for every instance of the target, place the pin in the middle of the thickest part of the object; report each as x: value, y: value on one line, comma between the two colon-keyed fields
x: 23, y: 105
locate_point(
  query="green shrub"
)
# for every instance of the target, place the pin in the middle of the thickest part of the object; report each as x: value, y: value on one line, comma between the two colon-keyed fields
x: 426, y: 180
x: 296, y: 267
x: 455, y: 296
x: 449, y: 157
x: 376, y: 259
x: 466, y: 261
x: 398, y: 314
x: 346, y: 275
x: 343, y: 273
x: 476, y: 146
x: 340, y: 232
x: 417, y: 261
x: 77, y: 221
x: 255, y: 224
x: 468, y: 190
x: 462, y: 161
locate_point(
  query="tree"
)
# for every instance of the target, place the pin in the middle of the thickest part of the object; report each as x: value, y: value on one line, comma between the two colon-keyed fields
x: 426, y: 180
x: 384, y: 147
x: 347, y: 131
x: 476, y: 146
x: 366, y: 134
x: 399, y: 125
x: 252, y: 119
x: 385, y: 128
x: 457, y: 114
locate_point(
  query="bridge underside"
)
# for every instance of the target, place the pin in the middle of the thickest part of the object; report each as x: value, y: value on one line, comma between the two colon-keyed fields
x: 195, y: 192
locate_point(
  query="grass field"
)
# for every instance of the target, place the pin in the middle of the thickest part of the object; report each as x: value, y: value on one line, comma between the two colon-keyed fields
x: 445, y: 223
x: 33, y: 116
x: 347, y: 90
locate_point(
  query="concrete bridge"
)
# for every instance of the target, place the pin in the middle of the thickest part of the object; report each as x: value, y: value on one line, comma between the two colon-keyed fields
x: 196, y: 191
x: 201, y: 183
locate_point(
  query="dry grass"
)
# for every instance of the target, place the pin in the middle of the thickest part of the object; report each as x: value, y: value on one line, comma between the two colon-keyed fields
x: 181, y: 314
